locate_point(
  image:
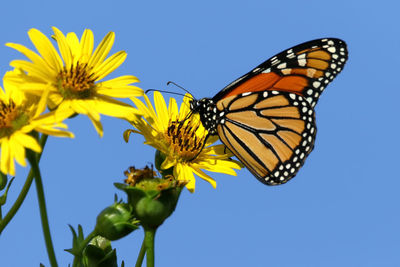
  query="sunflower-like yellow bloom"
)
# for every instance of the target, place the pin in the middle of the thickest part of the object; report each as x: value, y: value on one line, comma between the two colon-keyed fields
x: 183, y: 141
x: 19, y: 116
x: 74, y: 76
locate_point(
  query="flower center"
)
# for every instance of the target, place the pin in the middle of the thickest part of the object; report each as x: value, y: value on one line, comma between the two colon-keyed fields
x: 183, y: 140
x: 11, y: 119
x: 76, y: 82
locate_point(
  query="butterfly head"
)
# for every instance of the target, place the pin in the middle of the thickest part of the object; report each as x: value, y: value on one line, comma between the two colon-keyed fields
x: 208, y: 113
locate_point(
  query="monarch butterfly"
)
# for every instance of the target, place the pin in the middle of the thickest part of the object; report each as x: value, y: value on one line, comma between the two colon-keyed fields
x: 266, y: 117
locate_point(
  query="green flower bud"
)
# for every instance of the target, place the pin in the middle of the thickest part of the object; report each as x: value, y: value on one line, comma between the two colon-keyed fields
x: 152, y: 199
x: 99, y: 253
x: 115, y: 222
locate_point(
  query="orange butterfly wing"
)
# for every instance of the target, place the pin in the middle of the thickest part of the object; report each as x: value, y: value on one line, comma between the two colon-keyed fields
x: 268, y: 120
x: 305, y: 70
x: 272, y: 133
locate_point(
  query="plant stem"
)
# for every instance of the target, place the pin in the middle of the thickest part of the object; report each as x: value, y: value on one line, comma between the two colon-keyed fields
x: 24, y: 191
x: 140, y: 257
x: 42, y: 207
x: 83, y: 246
x: 149, y: 235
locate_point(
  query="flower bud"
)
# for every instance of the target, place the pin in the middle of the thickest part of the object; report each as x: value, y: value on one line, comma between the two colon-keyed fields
x: 115, y: 221
x: 100, y: 253
x: 152, y: 199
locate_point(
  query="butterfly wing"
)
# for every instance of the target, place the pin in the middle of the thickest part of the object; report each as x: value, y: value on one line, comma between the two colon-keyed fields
x: 271, y: 132
x: 305, y: 70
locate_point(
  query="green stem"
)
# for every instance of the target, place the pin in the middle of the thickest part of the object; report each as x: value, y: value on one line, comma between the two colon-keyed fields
x: 24, y: 191
x: 140, y: 257
x: 149, y: 235
x: 42, y: 207
x: 82, y: 247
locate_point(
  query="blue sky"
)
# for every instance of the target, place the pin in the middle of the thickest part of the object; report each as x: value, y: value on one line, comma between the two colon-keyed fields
x: 340, y: 210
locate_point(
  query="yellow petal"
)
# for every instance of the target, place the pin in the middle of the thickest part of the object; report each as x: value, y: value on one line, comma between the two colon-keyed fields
x: 77, y: 107
x: 54, y: 99
x: 185, y: 174
x: 97, y: 125
x: 205, y: 177
x: 102, y: 50
x: 222, y: 166
x: 62, y: 112
x: 46, y: 49
x: 120, y: 92
x: 42, y: 102
x: 35, y: 58
x: 168, y: 163
x: 90, y: 106
x: 109, y: 65
x: 184, y: 110
x: 49, y: 130
x: 63, y: 47
x: 161, y: 109
x: 212, y: 139
x: 75, y: 47
x: 5, y: 157
x: 120, y: 81
x: 32, y: 69
x: 114, y: 108
x: 27, y: 141
x: 19, y: 151
x: 148, y: 113
x: 86, y: 43
x: 172, y: 109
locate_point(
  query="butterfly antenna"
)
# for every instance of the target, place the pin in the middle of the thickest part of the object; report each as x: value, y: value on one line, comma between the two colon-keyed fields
x: 177, y: 85
x: 167, y: 92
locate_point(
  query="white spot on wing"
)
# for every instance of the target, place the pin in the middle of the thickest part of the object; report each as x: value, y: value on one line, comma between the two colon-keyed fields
x: 332, y: 49
x: 282, y: 65
x: 316, y: 84
x: 267, y: 70
x: 302, y: 62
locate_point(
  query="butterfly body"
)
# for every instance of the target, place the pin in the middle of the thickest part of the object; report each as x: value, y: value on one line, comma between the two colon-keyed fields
x: 266, y: 117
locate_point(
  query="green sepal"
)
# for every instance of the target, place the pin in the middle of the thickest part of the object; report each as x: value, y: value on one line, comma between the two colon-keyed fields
x: 77, y: 240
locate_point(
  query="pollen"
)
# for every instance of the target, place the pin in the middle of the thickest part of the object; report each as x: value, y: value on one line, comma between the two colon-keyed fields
x: 76, y: 81
x: 9, y: 114
x: 184, y: 139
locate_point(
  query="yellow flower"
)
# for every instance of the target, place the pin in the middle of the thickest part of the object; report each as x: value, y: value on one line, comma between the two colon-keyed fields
x: 183, y: 141
x: 74, y: 76
x: 19, y: 116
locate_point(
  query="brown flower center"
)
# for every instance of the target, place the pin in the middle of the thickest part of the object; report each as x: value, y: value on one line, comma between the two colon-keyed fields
x: 76, y: 82
x: 183, y: 140
x: 11, y: 118
x: 8, y: 113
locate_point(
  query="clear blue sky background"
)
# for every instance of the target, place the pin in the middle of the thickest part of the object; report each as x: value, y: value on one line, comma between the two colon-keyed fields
x: 342, y: 209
